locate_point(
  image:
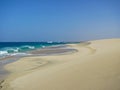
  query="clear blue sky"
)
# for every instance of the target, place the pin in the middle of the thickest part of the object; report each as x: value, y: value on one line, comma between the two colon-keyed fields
x: 59, y: 20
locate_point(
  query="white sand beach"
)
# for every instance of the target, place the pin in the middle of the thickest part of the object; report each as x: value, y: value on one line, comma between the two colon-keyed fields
x: 95, y: 66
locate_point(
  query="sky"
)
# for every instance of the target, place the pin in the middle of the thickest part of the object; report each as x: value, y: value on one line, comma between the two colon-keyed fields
x: 59, y: 20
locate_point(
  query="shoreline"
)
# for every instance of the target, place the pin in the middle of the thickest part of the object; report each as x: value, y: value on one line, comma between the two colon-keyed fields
x: 53, y: 50
x: 94, y: 66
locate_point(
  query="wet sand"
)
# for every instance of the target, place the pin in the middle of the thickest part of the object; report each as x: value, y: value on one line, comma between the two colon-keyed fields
x: 61, y: 49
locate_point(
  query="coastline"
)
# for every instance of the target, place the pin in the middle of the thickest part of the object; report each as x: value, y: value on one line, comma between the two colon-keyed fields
x: 95, y: 66
x: 47, y: 51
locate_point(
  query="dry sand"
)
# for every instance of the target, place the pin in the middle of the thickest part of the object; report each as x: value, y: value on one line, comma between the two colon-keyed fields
x: 96, y: 66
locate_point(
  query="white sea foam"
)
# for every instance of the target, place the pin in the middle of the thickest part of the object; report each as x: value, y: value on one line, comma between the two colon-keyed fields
x: 31, y: 47
x: 19, y: 54
x: 27, y: 46
x: 43, y: 46
x: 3, y: 52
x: 13, y: 50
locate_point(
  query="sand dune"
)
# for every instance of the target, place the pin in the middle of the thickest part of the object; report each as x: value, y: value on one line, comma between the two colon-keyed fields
x: 94, y: 67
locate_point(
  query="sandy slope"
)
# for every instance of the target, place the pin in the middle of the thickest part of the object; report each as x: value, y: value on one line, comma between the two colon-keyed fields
x: 96, y: 66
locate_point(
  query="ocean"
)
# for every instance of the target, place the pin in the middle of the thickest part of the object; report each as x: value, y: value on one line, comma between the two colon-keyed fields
x: 21, y: 48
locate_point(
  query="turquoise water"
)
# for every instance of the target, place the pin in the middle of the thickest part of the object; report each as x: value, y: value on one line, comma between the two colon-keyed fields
x: 20, y: 48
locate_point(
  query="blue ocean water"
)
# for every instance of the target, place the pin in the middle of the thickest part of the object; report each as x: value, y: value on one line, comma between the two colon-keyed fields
x: 20, y: 48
